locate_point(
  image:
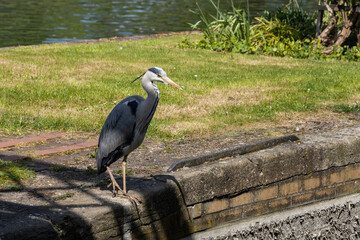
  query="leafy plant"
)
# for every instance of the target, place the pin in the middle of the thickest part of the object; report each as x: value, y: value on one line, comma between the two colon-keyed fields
x: 288, y: 21
x: 287, y: 32
x: 224, y: 29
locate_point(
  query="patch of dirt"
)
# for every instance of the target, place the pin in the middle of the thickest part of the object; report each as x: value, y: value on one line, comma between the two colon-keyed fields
x: 61, y: 174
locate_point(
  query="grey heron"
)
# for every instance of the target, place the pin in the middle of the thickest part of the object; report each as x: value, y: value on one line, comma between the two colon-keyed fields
x: 125, y: 127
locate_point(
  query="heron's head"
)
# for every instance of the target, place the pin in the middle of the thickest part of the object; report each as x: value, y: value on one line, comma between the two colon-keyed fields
x: 157, y: 74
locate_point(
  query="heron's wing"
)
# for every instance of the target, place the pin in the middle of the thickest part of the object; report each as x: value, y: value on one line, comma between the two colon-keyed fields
x: 117, y: 132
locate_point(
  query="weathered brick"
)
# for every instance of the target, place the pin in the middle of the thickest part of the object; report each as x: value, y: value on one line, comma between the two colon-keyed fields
x: 242, y: 199
x: 279, y: 203
x: 231, y: 214
x: 337, y: 177
x: 352, y: 172
x: 195, y: 210
x: 303, y: 198
x: 290, y: 188
x: 266, y: 193
x: 347, y: 188
x: 213, y: 219
x: 205, y: 222
x: 216, y: 205
x: 256, y: 209
x: 333, y: 178
x: 311, y: 183
x: 325, y: 193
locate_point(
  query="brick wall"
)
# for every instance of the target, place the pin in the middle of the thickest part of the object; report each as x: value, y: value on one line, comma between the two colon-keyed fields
x: 290, y: 193
x: 317, y: 168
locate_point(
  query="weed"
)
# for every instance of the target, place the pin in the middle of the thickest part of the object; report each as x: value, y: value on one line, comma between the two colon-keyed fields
x: 152, y: 167
x: 91, y: 155
x: 64, y: 196
x: 90, y: 171
x: 143, y: 147
x: 168, y: 149
x: 129, y: 171
x: 59, y: 168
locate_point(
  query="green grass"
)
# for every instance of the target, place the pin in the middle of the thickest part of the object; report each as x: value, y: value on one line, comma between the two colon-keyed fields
x: 347, y: 108
x: 12, y: 175
x: 74, y: 87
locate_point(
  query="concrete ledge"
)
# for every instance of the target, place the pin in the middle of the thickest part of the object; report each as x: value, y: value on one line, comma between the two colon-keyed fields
x: 312, y: 154
x: 316, y: 168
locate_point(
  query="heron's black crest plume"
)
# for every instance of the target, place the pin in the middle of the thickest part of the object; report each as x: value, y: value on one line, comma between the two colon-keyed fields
x: 138, y: 77
x: 155, y: 70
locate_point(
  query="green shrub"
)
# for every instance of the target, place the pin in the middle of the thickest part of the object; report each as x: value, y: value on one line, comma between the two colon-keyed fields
x: 287, y: 32
x: 289, y: 21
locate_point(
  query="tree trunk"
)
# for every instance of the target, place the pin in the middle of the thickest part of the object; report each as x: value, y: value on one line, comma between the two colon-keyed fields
x: 329, y: 37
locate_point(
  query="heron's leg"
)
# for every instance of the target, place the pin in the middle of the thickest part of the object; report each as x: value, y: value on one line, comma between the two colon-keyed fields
x: 134, y: 200
x: 114, y: 183
x: 124, y: 173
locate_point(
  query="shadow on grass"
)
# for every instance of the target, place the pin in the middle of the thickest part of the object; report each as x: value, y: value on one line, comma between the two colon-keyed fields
x: 31, y: 214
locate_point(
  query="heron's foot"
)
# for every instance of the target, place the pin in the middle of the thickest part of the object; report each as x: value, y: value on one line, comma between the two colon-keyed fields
x: 116, y: 188
x: 131, y: 198
x: 123, y: 194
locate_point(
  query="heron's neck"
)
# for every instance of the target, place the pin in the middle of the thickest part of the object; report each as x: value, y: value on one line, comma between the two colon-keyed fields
x: 148, y: 107
x: 152, y: 91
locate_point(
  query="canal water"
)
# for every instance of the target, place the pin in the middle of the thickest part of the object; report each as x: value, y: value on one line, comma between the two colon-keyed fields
x: 26, y: 22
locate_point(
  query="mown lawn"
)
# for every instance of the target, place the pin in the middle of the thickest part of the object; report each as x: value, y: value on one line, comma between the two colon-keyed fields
x: 74, y: 87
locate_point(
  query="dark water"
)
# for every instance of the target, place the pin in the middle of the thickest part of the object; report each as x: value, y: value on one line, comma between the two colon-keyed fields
x: 25, y: 22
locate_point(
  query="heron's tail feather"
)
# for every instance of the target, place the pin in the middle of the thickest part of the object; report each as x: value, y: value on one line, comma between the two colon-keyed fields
x: 100, y: 163
x: 103, y: 161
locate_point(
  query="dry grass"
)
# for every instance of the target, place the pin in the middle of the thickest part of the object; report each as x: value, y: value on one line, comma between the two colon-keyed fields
x: 204, y: 104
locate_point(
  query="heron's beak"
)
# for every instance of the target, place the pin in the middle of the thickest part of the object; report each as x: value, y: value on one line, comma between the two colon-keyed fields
x: 169, y: 81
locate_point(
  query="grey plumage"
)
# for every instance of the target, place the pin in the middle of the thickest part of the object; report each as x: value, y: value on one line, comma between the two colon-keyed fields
x: 125, y: 127
x: 117, y: 132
